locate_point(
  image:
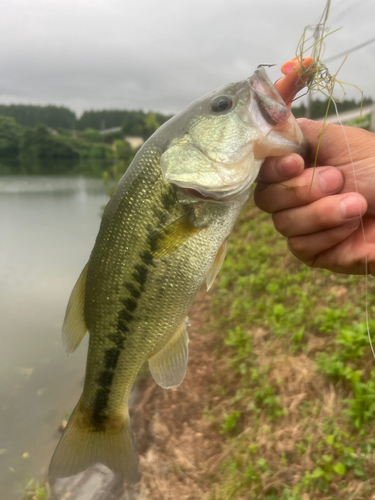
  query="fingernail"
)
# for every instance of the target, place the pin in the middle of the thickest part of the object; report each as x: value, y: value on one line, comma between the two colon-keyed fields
x: 287, y: 167
x: 329, y: 181
x: 350, y: 207
x: 353, y: 224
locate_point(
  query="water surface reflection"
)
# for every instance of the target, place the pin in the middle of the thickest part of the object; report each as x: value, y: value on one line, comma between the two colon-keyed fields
x: 47, y: 230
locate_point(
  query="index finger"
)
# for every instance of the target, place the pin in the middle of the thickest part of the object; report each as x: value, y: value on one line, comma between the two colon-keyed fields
x: 279, y: 169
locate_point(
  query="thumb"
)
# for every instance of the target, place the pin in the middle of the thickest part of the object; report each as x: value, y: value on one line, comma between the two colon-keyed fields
x: 319, y: 134
x: 333, y: 141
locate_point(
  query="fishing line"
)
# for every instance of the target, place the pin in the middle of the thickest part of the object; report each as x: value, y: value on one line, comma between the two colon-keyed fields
x: 317, y: 52
x: 363, y: 230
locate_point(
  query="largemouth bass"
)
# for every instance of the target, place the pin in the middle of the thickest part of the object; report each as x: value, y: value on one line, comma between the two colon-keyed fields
x: 163, y: 233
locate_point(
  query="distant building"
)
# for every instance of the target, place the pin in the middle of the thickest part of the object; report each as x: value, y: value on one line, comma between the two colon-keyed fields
x: 108, y: 131
x: 134, y: 141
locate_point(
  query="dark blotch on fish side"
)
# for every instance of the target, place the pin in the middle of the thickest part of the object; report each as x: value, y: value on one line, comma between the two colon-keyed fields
x: 147, y: 258
x: 111, y: 357
x: 100, y: 404
x: 135, y: 292
x: 154, y: 243
x: 168, y: 200
x: 122, y: 327
x: 125, y: 316
x: 156, y: 238
x: 130, y: 305
x: 118, y: 338
x: 140, y: 274
x: 161, y: 216
x: 105, y: 379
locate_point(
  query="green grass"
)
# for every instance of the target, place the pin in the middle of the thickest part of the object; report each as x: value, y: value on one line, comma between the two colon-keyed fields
x: 36, y: 491
x: 297, y: 412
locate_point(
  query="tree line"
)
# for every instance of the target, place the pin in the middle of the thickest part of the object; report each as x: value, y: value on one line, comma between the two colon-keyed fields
x: 137, y: 123
x: 319, y: 108
x: 132, y: 122
x: 42, y: 150
x: 31, y: 116
x: 50, y: 139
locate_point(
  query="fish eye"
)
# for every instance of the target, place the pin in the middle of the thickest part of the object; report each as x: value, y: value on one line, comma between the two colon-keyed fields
x: 221, y: 103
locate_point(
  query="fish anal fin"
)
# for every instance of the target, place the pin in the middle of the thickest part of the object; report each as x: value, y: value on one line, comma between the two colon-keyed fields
x: 74, y: 327
x: 82, y: 445
x: 168, y: 366
x: 169, y: 239
x: 216, y: 266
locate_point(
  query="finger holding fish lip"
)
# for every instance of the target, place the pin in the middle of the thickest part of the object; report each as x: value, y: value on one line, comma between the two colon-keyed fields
x: 281, y: 169
x: 298, y: 191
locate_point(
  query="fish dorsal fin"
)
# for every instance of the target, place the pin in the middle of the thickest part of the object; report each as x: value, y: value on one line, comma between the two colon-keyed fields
x: 169, y: 239
x: 74, y: 327
x: 168, y: 366
x: 218, y: 262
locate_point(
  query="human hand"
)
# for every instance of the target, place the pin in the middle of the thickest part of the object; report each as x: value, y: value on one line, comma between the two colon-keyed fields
x: 324, y: 227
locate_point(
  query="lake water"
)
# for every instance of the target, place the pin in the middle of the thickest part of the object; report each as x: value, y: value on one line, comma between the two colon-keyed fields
x: 47, y: 230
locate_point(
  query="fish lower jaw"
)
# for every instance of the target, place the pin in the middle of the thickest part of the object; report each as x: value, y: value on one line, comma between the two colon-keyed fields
x: 196, y: 194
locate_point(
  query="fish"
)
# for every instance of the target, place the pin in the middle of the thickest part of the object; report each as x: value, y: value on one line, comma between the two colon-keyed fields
x: 163, y: 233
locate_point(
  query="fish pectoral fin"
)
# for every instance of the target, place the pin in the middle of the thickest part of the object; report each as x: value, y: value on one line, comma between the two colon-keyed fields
x: 74, y: 327
x: 169, y: 239
x: 216, y: 266
x: 82, y: 445
x: 168, y: 366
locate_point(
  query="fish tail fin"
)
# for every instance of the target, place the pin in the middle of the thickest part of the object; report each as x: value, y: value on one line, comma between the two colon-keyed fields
x: 83, y: 445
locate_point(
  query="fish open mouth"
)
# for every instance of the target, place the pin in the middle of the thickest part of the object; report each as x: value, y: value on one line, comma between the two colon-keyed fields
x: 197, y: 194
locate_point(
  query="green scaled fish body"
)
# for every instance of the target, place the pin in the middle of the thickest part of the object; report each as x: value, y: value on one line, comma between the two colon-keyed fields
x: 163, y: 233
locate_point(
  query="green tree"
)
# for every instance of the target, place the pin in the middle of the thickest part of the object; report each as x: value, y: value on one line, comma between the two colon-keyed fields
x: 31, y: 116
x: 319, y: 107
x: 10, y: 137
x: 133, y: 123
x: 151, y: 124
x: 91, y: 135
x: 123, y: 150
x: 38, y: 143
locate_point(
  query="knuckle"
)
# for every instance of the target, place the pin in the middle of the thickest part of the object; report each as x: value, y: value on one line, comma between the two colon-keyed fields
x: 322, y: 216
x: 261, y: 198
x: 301, y: 192
x: 280, y: 221
x: 297, y: 245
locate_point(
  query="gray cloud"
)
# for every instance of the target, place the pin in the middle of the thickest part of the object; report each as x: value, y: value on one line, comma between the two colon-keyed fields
x: 162, y: 54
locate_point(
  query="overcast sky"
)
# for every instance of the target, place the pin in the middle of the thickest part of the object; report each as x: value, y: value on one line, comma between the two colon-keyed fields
x: 162, y: 54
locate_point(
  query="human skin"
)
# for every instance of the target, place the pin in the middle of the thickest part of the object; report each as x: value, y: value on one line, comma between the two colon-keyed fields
x: 320, y: 211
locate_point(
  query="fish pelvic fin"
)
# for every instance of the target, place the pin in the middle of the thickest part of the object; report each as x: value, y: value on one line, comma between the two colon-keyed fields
x: 168, y: 366
x: 82, y: 445
x: 74, y: 327
x: 216, y: 266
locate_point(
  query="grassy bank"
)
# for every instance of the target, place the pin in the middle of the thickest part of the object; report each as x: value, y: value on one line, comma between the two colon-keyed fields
x: 296, y: 403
